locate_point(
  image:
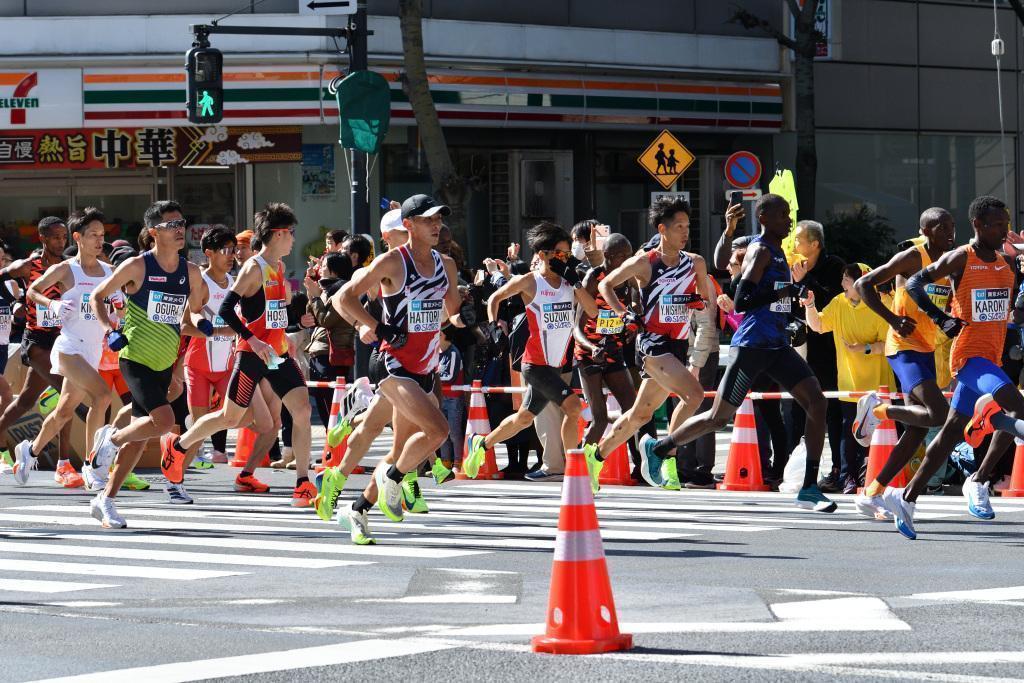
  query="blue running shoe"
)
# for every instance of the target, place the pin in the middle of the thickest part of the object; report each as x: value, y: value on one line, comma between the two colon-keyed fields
x: 650, y: 463
x: 811, y: 498
x: 902, y: 511
x: 977, y: 498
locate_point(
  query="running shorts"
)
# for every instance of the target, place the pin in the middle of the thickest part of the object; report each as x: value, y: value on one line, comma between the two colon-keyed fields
x: 200, y: 384
x: 42, y: 338
x: 746, y: 363
x: 3, y: 358
x: 147, y: 386
x: 250, y: 369
x: 649, y: 344
x: 114, y: 381
x: 977, y: 377
x: 911, y: 368
x: 614, y: 363
x: 70, y: 347
x: 544, y: 384
x: 384, y: 366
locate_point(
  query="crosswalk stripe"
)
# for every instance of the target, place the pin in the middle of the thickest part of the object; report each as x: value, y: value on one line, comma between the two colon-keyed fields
x: 435, y: 511
x: 139, y: 572
x: 37, y: 586
x: 173, y: 555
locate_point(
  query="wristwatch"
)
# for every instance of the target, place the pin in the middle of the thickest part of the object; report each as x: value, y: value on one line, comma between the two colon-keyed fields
x: 867, y: 349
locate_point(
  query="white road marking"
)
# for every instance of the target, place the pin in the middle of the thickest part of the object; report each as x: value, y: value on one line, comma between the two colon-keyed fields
x: 141, y: 572
x: 257, y: 663
x: 83, y: 603
x: 35, y: 586
x: 979, y: 595
x: 448, y: 598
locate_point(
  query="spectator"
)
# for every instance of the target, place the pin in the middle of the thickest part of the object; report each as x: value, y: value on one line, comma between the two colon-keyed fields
x: 359, y: 250
x: 453, y: 406
x: 333, y: 241
x: 244, y: 244
x: 332, y: 345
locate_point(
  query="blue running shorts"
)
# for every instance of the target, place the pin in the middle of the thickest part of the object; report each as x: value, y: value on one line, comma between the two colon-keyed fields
x: 911, y: 368
x: 977, y: 377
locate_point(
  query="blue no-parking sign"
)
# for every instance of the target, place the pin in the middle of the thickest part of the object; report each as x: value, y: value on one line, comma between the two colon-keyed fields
x: 743, y: 169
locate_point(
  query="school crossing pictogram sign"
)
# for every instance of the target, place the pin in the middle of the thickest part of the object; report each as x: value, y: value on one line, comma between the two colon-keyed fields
x: 665, y: 159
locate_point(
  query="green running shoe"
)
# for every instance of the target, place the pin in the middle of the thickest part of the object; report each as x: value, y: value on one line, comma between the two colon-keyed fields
x: 358, y: 526
x: 412, y: 497
x: 201, y: 464
x: 670, y: 475
x: 594, y: 466
x: 332, y: 482
x: 5, y: 455
x: 134, y: 482
x: 441, y: 473
x: 475, y: 454
x: 337, y: 433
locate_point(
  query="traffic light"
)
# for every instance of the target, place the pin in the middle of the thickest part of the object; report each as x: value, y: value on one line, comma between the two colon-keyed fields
x: 205, y: 98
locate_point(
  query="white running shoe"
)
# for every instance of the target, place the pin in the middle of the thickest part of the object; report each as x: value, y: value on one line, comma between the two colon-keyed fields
x: 24, y: 462
x: 865, y: 422
x: 105, y: 451
x: 218, y: 457
x: 357, y: 398
x: 872, y: 507
x: 977, y: 498
x: 389, y: 494
x: 177, y: 494
x: 902, y: 511
x: 358, y: 526
x: 95, y: 480
x: 103, y: 509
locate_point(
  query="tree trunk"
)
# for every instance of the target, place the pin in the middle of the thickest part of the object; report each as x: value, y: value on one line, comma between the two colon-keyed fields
x: 449, y: 186
x: 806, y: 147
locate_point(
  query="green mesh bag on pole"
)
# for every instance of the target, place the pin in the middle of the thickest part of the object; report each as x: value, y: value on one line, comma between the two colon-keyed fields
x: 364, y: 111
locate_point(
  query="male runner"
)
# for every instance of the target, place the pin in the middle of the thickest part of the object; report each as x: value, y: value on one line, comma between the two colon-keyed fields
x: 672, y: 283
x: 260, y: 354
x: 419, y: 291
x: 983, y: 279
x: 160, y: 285
x: 761, y: 345
x: 549, y: 294
x: 76, y: 352
x: 41, y: 330
x: 910, y: 349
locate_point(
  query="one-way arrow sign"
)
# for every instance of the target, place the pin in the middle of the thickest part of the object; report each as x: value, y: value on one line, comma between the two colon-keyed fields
x: 333, y: 7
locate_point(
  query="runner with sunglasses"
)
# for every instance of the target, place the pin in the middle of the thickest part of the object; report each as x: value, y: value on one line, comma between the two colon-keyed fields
x: 261, y: 355
x: 162, y: 289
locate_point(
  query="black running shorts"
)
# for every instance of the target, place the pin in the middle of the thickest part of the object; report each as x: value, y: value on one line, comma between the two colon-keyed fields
x: 249, y: 369
x: 649, y: 344
x: 784, y: 365
x: 148, y: 387
x: 385, y: 366
x: 544, y: 384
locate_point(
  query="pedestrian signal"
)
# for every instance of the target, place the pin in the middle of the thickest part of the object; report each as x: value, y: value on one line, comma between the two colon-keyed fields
x: 205, y: 96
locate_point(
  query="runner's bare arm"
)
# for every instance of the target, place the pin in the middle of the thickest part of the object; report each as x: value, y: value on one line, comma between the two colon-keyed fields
x: 520, y: 284
x: 452, y: 297
x: 589, y: 284
x: 950, y: 265
x: 346, y: 300
x: 57, y: 274
x: 586, y: 301
x: 131, y: 272
x: 637, y: 268
x: 18, y: 270
x: 198, y: 295
x: 905, y: 264
x: 700, y: 267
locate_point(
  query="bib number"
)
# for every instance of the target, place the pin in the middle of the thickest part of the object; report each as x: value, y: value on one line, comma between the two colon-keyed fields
x: 425, y: 315
x: 277, y: 314
x: 46, y: 318
x: 608, y: 323
x: 85, y: 311
x: 165, y: 308
x: 6, y: 318
x: 556, y: 316
x: 672, y: 308
x: 783, y: 305
x: 990, y: 305
x: 939, y: 294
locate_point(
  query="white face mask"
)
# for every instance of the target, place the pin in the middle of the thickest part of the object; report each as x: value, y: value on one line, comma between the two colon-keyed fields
x: 579, y: 252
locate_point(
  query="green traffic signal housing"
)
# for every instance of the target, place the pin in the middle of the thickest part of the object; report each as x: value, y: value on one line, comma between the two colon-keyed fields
x: 205, y: 96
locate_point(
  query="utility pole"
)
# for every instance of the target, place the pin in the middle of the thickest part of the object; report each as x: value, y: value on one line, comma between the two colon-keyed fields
x: 359, y: 211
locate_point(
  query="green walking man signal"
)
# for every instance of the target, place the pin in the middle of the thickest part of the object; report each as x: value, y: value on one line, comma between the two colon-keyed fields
x: 205, y: 95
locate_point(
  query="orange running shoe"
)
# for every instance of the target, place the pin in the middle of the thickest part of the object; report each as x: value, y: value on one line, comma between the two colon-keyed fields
x: 304, y: 495
x: 66, y: 476
x: 249, y: 484
x: 172, y: 461
x: 980, y: 425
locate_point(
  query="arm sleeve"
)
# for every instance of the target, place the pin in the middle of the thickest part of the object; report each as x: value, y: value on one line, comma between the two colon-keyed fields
x: 230, y: 317
x: 748, y: 298
x: 916, y: 289
x: 5, y: 293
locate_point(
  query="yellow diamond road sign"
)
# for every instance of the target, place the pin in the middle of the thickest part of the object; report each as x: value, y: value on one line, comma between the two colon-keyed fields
x: 666, y: 159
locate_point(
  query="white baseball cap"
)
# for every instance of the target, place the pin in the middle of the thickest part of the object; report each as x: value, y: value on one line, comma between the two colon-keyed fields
x: 392, y: 220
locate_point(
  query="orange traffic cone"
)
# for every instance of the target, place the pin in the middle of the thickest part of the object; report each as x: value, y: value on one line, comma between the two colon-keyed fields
x: 883, y: 440
x: 331, y: 457
x: 743, y: 469
x: 581, y: 609
x: 479, y: 423
x: 243, y: 449
x: 1016, y: 489
x: 617, y: 467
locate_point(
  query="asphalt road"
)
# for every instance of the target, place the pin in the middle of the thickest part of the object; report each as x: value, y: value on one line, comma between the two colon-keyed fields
x: 712, y: 585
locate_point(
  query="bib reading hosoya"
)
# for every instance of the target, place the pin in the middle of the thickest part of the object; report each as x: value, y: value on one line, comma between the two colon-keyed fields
x: 277, y: 314
x: 557, y: 316
x: 609, y: 323
x: 425, y: 315
x: 165, y: 308
x: 990, y: 305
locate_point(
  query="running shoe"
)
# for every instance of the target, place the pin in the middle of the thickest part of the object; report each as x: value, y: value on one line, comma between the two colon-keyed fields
x: 389, y: 494
x: 901, y: 510
x: 977, y: 498
x: 442, y: 473
x: 202, y: 462
x: 5, y: 458
x: 412, y: 497
x: 218, y: 457
x: 475, y: 454
x: 332, y: 481
x: 670, y: 475
x: 177, y: 495
x: 338, y: 433
x: 24, y: 462
x: 542, y: 474
x: 102, y: 509
x: 6, y: 468
x: 133, y: 482
x: 872, y: 507
x: 248, y: 483
x: 650, y: 464
x: 66, y: 476
x: 303, y: 495
x: 865, y: 422
x: 95, y: 479
x: 594, y: 466
x: 980, y: 425
x: 104, y: 450
x: 172, y: 460
x: 358, y: 526
x: 811, y: 498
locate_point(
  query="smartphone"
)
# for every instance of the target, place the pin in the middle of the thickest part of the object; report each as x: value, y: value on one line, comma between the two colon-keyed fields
x: 735, y: 197
x: 385, y: 204
x: 601, y: 236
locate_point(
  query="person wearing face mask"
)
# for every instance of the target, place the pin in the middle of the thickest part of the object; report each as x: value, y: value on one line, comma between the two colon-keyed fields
x: 585, y: 254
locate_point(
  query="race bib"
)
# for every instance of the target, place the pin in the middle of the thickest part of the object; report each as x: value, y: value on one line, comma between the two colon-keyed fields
x: 783, y: 305
x: 990, y: 305
x: 277, y: 314
x: 672, y: 308
x: 85, y: 311
x: 609, y: 323
x: 165, y: 308
x: 6, y: 318
x: 217, y: 323
x: 556, y: 316
x: 46, y: 318
x: 425, y: 315
x: 939, y: 294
